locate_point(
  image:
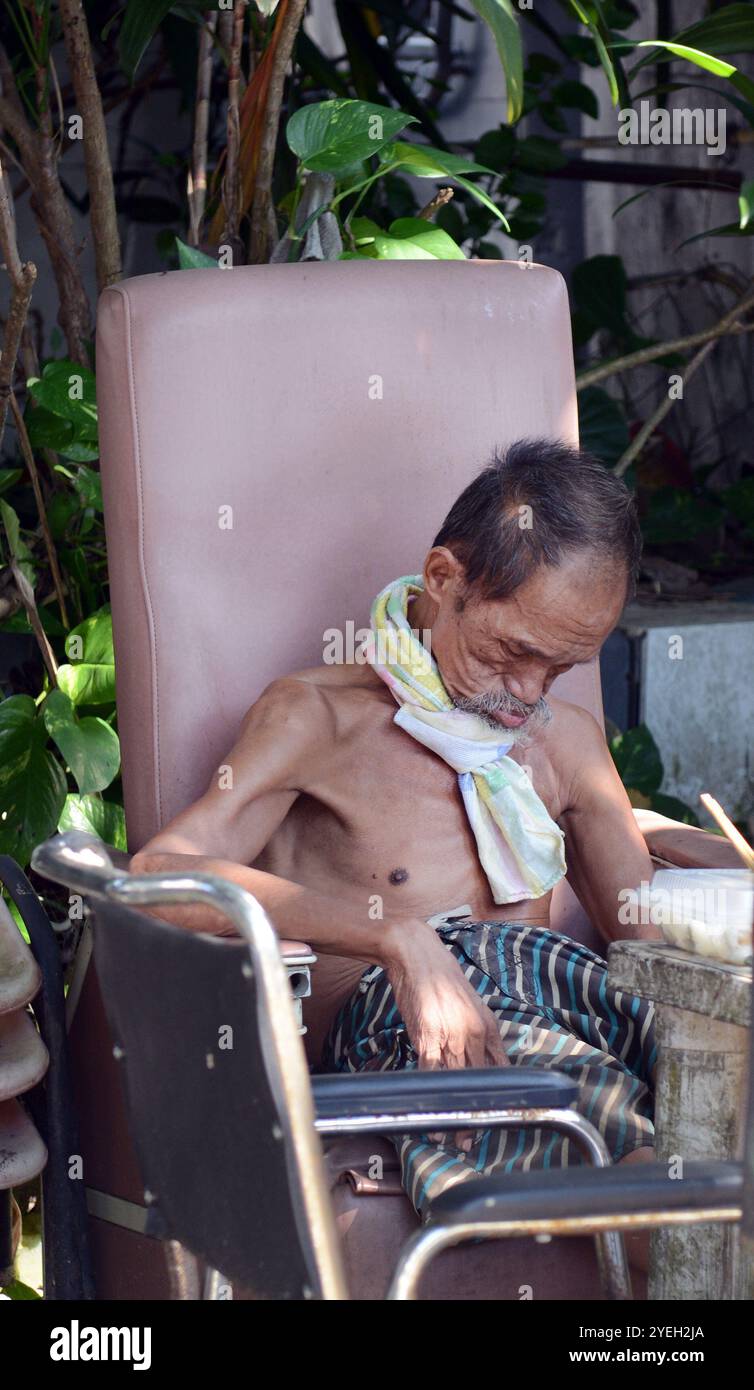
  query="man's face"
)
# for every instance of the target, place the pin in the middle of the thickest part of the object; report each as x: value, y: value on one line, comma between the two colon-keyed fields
x: 499, y: 658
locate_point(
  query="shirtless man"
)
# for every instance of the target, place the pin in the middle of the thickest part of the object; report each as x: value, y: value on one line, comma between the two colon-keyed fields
x: 334, y: 807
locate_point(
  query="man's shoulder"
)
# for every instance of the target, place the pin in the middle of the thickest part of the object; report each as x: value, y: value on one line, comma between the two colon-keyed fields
x: 576, y: 749
x: 310, y: 700
x: 573, y: 736
x: 569, y: 719
x: 290, y: 698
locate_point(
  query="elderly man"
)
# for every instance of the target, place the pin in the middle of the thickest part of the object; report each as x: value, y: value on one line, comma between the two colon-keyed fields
x: 409, y: 816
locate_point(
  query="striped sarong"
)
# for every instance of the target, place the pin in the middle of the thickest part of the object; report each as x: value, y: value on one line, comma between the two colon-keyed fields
x: 555, y: 1009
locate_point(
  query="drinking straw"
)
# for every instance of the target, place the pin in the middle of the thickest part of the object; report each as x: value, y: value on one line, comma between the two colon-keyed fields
x: 737, y: 840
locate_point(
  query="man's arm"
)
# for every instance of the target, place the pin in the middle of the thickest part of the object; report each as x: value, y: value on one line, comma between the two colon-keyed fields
x: 282, y: 738
x: 605, y: 850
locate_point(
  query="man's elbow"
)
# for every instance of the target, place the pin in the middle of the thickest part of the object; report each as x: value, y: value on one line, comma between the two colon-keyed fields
x: 150, y: 862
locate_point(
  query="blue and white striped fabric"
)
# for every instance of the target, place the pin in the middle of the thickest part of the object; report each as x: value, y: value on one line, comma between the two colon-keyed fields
x: 554, y: 1008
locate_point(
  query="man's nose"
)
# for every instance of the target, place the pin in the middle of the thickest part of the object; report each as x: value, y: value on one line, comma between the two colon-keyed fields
x: 526, y: 686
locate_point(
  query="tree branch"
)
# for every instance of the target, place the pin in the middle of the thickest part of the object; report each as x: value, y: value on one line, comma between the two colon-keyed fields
x: 22, y: 277
x: 442, y: 196
x: 102, y: 210
x: 52, y: 554
x: 263, y: 228
x: 198, y: 176
x: 50, y: 207
x: 231, y: 186
x: 26, y: 594
x: 667, y: 402
x: 651, y: 354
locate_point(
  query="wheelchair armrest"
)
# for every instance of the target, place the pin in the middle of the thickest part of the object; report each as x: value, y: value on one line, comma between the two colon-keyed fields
x: 293, y: 952
x: 629, y: 1188
x: 408, y: 1096
x: 685, y: 846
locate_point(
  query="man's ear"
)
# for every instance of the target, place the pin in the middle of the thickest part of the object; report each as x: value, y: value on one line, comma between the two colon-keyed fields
x: 443, y: 574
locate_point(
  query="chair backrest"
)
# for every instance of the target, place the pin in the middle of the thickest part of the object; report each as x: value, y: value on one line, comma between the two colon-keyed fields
x: 277, y: 443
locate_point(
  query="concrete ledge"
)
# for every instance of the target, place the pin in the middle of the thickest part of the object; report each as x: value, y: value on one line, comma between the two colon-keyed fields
x: 667, y: 975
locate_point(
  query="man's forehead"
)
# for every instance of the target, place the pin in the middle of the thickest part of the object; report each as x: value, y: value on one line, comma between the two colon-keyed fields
x: 554, y: 637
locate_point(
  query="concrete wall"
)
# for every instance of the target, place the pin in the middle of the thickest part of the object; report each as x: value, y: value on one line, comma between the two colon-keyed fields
x: 697, y: 697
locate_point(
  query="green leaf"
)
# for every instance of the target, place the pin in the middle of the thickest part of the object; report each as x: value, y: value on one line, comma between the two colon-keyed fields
x: 539, y: 66
x: 68, y: 390
x: 32, y: 782
x: 80, y: 452
x: 502, y: 20
x: 46, y: 430
x: 408, y: 238
x: 9, y: 476
x: 18, y: 1292
x: 16, y: 544
x: 141, y: 21
x: 102, y: 818
x: 589, y: 12
x: 425, y: 162
x: 730, y: 229
x: 638, y: 760
x: 730, y: 30
x: 598, y: 287
x: 87, y: 483
x: 538, y: 155
x: 603, y: 428
x: 189, y: 258
x: 90, y: 747
x: 576, y: 95
x: 90, y: 677
x: 496, y: 149
x: 327, y: 136
x: 746, y: 203
x: 12, y: 527
x: 704, y: 60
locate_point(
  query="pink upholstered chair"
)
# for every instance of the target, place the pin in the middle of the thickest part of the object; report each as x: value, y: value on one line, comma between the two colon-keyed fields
x: 278, y: 442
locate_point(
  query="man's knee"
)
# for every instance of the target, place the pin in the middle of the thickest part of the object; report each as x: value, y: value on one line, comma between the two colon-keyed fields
x: 645, y: 1154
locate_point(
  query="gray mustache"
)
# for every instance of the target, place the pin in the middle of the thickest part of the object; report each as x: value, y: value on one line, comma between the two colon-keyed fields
x: 497, y: 701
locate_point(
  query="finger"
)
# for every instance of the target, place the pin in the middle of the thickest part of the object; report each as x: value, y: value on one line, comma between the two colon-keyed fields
x: 495, y: 1050
x: 476, y: 1048
x: 430, y: 1060
x: 464, y: 1139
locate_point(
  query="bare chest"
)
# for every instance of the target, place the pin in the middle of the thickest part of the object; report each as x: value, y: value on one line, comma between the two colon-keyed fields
x: 385, y: 815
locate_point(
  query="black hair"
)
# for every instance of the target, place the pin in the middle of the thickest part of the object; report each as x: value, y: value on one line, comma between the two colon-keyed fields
x: 575, y: 504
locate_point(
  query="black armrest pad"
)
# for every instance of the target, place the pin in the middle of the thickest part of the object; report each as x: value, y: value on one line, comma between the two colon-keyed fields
x: 581, y: 1190
x: 413, y: 1091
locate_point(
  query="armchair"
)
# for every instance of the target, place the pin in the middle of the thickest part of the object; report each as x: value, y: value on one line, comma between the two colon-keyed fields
x: 298, y: 404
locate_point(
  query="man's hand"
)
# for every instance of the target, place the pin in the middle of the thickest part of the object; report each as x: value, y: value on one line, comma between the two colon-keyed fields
x: 446, y: 1021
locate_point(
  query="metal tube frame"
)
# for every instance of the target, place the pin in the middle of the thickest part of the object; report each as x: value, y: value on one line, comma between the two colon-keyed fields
x: 421, y: 1249
x: 611, y: 1252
